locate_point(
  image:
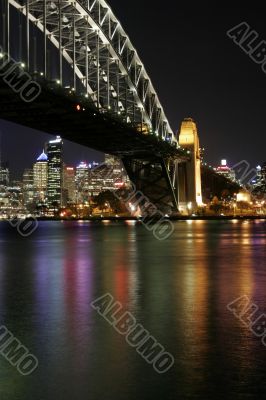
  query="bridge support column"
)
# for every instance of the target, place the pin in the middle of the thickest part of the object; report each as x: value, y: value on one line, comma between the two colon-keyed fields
x: 182, y: 189
x: 153, y: 179
x: 190, y: 194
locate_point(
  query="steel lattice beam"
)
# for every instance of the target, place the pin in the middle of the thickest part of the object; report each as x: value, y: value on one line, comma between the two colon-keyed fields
x: 90, y: 39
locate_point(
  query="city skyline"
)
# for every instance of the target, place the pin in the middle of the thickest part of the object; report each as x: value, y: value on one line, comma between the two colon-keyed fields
x: 31, y: 144
x: 50, y: 184
x: 70, y: 158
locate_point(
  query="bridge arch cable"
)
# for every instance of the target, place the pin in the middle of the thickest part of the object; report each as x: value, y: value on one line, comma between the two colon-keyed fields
x: 91, y: 41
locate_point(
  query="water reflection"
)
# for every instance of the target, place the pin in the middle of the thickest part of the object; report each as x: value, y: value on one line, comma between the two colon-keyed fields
x: 178, y: 289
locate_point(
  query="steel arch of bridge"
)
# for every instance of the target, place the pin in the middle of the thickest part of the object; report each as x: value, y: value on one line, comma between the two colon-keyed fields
x: 91, y: 40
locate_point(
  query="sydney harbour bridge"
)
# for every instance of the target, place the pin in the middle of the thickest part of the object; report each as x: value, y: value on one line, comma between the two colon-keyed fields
x: 95, y: 91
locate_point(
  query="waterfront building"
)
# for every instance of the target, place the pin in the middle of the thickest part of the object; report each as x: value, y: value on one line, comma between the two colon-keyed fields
x: 259, y: 182
x: 54, y: 151
x: 226, y: 171
x: 40, y: 177
x: 82, y: 176
x: 69, y: 185
x: 82, y: 182
x: 107, y: 177
x: 4, y: 175
x: 28, y: 189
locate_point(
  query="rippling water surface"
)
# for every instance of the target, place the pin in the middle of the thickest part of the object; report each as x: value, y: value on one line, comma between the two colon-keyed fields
x: 178, y: 289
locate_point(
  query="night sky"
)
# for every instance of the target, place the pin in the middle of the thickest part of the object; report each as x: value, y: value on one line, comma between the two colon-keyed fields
x: 197, y: 71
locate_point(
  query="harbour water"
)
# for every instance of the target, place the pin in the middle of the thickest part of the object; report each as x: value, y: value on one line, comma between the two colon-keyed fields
x: 178, y: 289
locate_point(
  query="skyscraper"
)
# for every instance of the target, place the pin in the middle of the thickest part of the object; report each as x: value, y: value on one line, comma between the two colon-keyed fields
x: 82, y: 182
x: 28, y: 187
x: 259, y: 182
x: 40, y: 176
x: 118, y: 177
x: 54, y: 150
x: 69, y: 184
x: 263, y: 172
x: 82, y: 175
x: 4, y: 175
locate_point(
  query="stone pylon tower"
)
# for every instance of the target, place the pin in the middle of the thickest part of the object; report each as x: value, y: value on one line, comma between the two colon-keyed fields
x: 190, y: 194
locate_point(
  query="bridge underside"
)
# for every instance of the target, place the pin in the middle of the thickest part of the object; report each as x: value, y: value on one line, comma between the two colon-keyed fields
x: 56, y: 113
x: 147, y: 158
x: 214, y: 184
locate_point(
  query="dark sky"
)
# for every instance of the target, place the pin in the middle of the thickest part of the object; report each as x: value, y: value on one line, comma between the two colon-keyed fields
x: 197, y: 71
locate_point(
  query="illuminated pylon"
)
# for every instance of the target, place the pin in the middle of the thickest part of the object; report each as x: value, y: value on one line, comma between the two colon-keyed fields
x: 190, y: 195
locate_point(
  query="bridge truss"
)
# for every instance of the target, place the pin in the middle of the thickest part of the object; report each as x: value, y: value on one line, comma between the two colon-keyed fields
x: 94, y: 57
x: 81, y: 49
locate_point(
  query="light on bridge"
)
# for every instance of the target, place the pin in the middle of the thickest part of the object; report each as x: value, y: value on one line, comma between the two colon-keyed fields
x: 132, y: 207
x: 78, y: 108
x: 189, y: 206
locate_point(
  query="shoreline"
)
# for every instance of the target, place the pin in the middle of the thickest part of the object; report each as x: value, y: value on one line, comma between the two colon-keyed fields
x: 173, y: 218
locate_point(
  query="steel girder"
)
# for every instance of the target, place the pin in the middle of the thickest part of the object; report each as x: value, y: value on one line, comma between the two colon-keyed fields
x: 90, y: 39
x: 154, y: 179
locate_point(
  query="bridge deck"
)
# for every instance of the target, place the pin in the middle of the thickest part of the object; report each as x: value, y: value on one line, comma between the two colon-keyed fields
x: 55, y: 112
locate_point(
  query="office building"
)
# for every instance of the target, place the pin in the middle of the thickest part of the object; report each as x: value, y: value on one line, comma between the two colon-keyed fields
x: 4, y: 175
x: 40, y: 177
x: 226, y: 171
x: 28, y: 187
x: 82, y: 176
x: 54, y: 151
x: 69, y: 185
